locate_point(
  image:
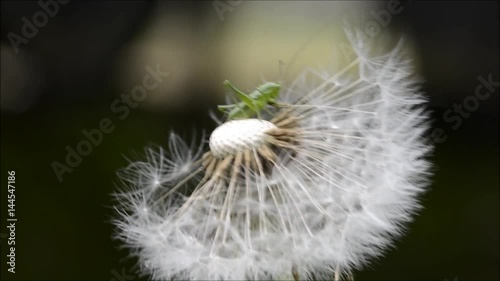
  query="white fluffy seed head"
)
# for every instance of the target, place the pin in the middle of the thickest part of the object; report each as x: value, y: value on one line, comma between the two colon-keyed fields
x: 238, y: 135
x: 335, y: 201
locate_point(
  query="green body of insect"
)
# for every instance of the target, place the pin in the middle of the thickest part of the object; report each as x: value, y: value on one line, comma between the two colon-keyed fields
x: 253, y: 103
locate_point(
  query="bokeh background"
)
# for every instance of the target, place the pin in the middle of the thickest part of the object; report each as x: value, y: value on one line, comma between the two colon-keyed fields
x: 85, y: 55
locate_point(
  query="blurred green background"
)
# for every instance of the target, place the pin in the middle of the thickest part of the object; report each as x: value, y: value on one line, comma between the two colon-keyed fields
x: 65, y: 79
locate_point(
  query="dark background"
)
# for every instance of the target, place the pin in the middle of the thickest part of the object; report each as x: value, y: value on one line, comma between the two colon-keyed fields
x: 64, y: 80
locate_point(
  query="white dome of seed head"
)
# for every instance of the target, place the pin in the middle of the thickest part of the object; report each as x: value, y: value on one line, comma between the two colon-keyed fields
x: 237, y: 135
x: 321, y: 187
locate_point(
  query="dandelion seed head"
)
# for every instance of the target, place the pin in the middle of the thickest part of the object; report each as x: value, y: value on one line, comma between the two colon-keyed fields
x: 324, y: 182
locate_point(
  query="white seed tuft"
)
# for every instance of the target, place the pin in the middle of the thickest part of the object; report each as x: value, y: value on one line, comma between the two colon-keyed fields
x: 238, y: 135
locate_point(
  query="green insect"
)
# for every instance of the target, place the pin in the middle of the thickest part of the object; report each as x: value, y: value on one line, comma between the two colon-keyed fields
x: 253, y: 103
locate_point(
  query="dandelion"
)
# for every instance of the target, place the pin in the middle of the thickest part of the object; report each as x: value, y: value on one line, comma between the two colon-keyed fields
x: 315, y: 186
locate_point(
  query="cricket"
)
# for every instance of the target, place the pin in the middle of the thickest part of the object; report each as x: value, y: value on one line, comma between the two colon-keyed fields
x: 251, y: 104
